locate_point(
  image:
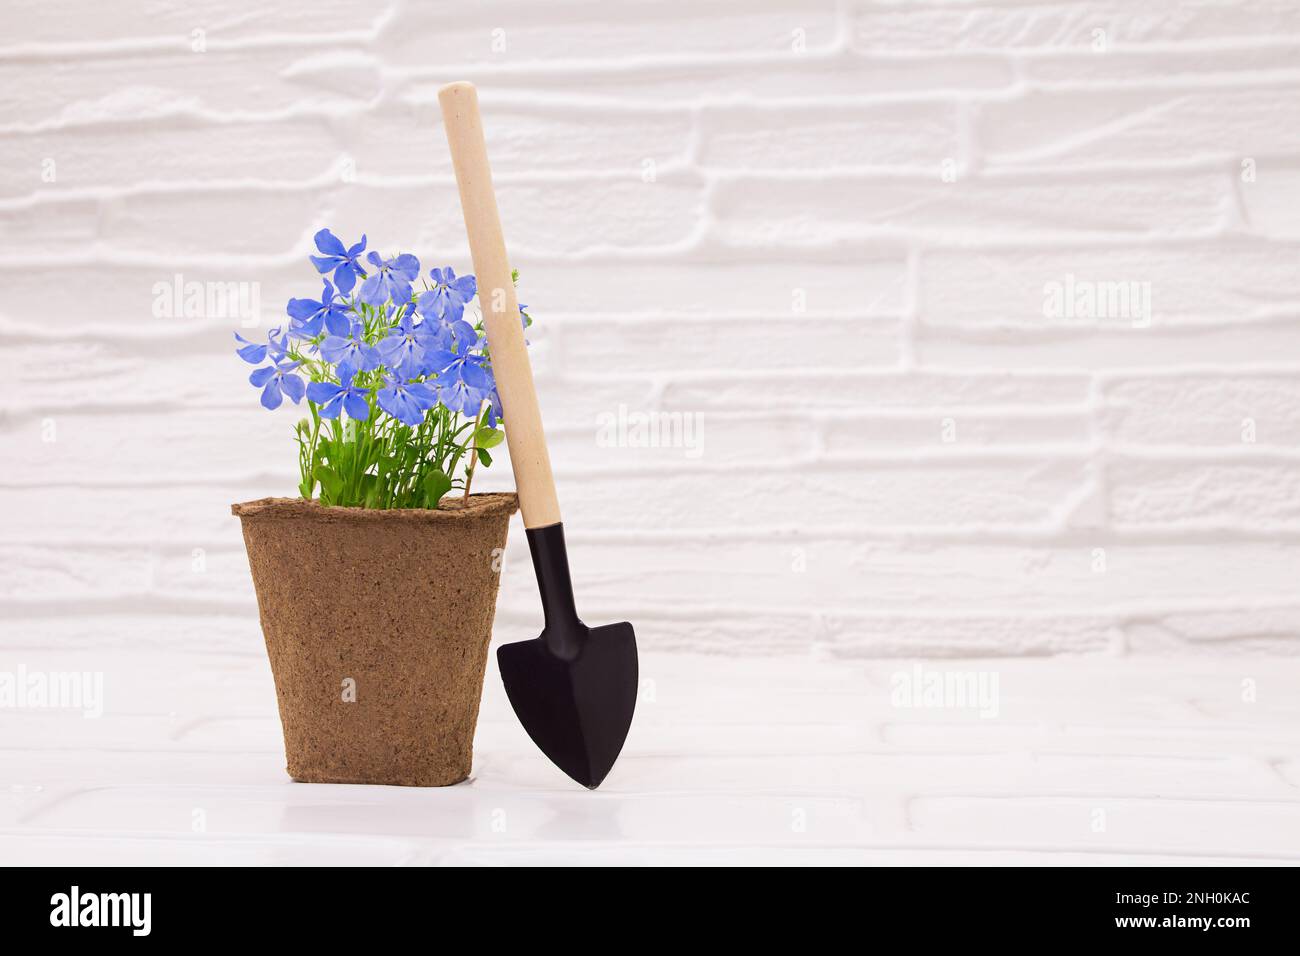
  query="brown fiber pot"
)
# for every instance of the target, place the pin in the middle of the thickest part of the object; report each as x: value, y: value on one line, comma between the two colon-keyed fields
x: 391, y: 608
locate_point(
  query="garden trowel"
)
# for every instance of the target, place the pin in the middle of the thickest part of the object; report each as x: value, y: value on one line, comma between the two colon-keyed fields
x: 574, y: 687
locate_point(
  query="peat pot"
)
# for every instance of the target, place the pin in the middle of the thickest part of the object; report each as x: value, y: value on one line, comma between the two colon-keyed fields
x: 377, y: 624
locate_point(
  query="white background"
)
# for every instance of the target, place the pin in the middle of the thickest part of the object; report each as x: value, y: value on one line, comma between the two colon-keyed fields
x: 824, y: 231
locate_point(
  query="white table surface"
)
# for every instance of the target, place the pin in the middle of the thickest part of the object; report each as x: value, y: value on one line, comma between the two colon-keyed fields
x: 1102, y: 760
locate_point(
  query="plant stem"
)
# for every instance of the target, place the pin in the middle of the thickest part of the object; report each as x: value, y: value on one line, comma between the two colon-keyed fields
x: 473, y: 453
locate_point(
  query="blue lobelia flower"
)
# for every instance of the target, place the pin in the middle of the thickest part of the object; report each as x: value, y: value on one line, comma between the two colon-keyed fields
x: 255, y: 354
x: 406, y: 401
x: 458, y: 395
x: 274, y: 379
x: 308, y: 315
x: 449, y: 295
x: 341, y: 397
x: 458, y: 362
x: 343, y: 262
x: 350, y: 353
x: 444, y: 333
x: 391, y: 280
x: 402, y: 350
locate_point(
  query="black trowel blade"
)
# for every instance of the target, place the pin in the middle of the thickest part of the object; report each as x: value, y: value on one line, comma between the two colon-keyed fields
x: 578, y: 712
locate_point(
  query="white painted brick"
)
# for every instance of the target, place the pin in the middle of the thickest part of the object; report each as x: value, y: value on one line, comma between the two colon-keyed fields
x: 756, y: 211
x: 1190, y: 63
x: 405, y: 138
x: 224, y: 444
x: 180, y: 151
x: 1204, y: 410
x: 122, y: 375
x: 183, y: 223
x: 195, y: 516
x: 706, y: 286
x: 125, y: 296
x: 967, y: 635
x: 898, y: 577
x: 1004, y: 493
x: 547, y: 218
x: 125, y: 86
x: 1270, y: 199
x: 64, y: 227
x: 637, y: 346
x: 1270, y: 628
x: 1119, y: 348
x: 938, y: 390
x: 1259, y: 495
x: 555, y: 218
x: 717, y: 440
x: 91, y: 25
x: 33, y: 573
x: 1095, y: 574
x: 979, y: 26
x: 420, y: 35
x: 1138, y: 124
x: 799, y: 138
x: 957, y: 429
x: 812, y: 78
x: 991, y: 288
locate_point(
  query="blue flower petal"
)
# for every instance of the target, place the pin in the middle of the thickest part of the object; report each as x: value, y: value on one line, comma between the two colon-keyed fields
x: 332, y: 408
x: 335, y: 348
x: 356, y: 406
x: 302, y: 309
x: 250, y: 353
x: 346, y: 277
x: 373, y: 291
x: 322, y: 392
x: 397, y: 402
x: 466, y: 286
x: 406, y: 265
x: 293, y: 387
x: 437, y: 360
x: 329, y: 244
x: 337, y: 321
x: 474, y: 376
x: 271, y: 397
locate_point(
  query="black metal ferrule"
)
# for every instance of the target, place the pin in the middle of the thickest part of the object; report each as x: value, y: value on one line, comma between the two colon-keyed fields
x: 565, y: 633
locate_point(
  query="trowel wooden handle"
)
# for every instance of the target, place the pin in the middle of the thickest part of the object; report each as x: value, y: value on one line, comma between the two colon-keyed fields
x: 496, y: 295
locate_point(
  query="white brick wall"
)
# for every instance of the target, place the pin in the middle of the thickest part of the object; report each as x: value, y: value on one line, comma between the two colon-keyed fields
x: 826, y: 229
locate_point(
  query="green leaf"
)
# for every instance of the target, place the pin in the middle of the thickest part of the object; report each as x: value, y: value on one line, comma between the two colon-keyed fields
x: 330, y: 483
x: 436, y: 484
x: 370, y: 490
x: 485, y: 458
x: 488, y: 437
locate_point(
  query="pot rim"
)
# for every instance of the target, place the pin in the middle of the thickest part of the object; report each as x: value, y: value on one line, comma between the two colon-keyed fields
x: 481, y: 505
